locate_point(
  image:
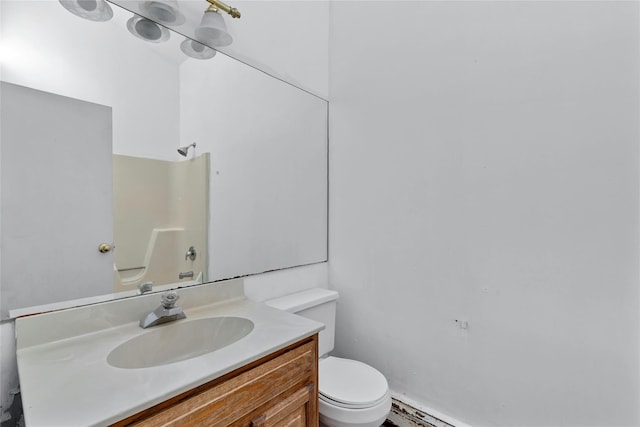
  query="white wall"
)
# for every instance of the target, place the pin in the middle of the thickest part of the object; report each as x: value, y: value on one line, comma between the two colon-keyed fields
x: 484, y: 168
x: 274, y: 284
x: 8, y: 371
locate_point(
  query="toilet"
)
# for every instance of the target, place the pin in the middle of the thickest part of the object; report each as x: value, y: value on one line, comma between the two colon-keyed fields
x: 351, y: 393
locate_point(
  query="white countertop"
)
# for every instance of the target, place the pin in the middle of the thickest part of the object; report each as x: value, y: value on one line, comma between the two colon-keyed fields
x: 67, y: 381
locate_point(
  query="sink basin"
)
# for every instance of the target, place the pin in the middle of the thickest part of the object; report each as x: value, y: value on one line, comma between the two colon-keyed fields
x: 174, y: 342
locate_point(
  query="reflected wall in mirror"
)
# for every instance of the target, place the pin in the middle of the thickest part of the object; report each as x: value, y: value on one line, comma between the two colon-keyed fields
x: 266, y: 141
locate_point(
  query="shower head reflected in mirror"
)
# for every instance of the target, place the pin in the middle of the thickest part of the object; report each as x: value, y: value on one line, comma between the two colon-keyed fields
x: 183, y: 150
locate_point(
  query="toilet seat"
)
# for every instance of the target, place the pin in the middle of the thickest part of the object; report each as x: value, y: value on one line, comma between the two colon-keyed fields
x: 337, y: 404
x: 351, y: 384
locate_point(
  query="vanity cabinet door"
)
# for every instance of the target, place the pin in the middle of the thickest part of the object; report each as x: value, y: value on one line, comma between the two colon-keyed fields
x: 294, y: 411
x: 278, y: 390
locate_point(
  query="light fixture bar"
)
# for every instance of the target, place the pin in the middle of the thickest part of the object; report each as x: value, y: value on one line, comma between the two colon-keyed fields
x: 235, y: 13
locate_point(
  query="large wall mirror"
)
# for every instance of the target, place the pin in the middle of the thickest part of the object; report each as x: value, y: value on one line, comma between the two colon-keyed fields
x: 92, y: 119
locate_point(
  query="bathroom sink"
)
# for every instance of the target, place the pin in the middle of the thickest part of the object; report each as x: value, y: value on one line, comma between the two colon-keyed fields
x: 174, y: 342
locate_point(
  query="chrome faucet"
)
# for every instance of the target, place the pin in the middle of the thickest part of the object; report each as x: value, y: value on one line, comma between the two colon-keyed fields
x: 167, y: 312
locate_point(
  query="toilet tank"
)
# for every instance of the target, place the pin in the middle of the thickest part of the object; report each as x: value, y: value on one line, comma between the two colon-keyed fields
x: 315, y: 304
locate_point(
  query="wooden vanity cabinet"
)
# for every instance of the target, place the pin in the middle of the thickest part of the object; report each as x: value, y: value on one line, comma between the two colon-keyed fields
x: 280, y: 389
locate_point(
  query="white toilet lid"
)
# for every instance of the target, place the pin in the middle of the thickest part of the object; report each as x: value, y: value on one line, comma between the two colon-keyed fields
x: 350, y: 383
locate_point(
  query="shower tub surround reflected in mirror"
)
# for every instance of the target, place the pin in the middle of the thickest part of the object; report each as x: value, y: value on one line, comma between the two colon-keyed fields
x: 160, y: 219
x: 267, y: 142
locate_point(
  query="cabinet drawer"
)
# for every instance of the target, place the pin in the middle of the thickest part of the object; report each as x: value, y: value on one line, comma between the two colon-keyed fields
x: 226, y: 402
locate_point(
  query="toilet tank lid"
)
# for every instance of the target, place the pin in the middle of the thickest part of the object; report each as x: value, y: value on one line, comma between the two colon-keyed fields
x: 298, y: 301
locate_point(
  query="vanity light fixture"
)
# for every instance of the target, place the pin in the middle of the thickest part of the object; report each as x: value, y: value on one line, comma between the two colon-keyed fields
x: 212, y: 30
x: 196, y: 49
x: 235, y: 13
x: 211, y: 34
x: 147, y: 30
x: 93, y: 10
x: 165, y: 12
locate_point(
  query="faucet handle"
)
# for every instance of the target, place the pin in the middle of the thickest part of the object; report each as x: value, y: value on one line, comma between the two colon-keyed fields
x: 191, y: 254
x: 169, y: 299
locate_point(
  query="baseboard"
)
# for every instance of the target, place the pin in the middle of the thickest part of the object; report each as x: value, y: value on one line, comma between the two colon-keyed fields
x: 408, y: 413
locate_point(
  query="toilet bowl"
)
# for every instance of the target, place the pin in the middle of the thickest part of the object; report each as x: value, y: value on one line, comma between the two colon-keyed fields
x: 350, y: 393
